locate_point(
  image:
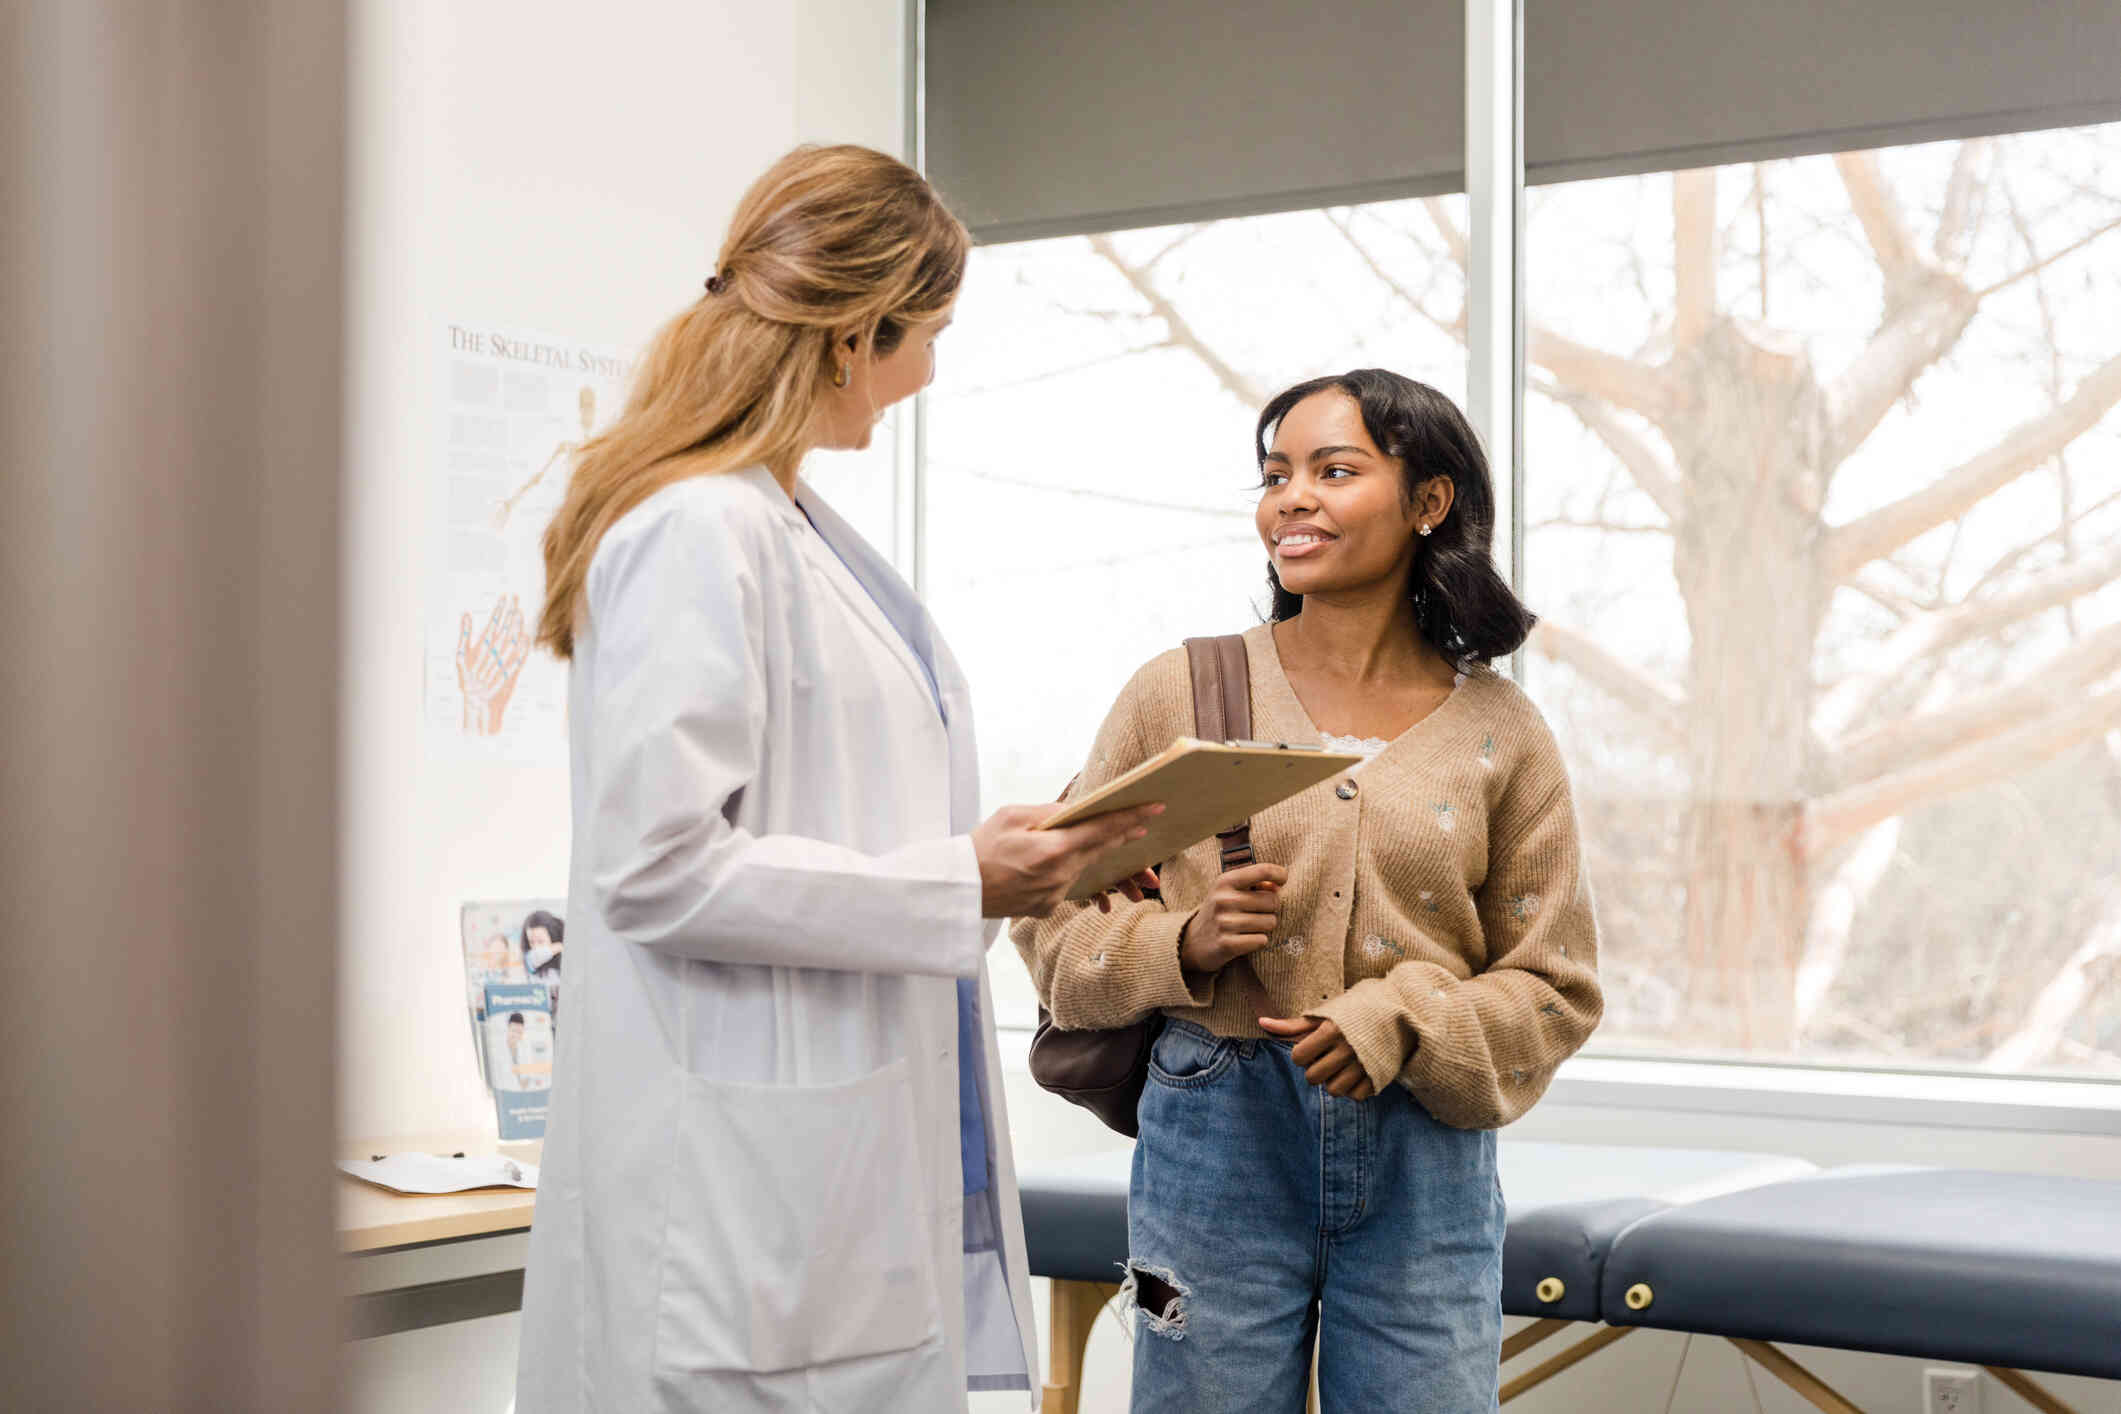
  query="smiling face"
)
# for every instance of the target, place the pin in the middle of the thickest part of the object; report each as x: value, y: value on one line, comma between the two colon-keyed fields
x: 1333, y: 509
x: 848, y: 416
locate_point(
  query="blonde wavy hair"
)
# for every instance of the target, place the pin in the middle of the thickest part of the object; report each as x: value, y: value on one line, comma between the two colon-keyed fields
x: 831, y: 243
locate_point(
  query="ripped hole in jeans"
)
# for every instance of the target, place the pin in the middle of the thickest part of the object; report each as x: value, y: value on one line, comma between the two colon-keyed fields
x: 1159, y: 1295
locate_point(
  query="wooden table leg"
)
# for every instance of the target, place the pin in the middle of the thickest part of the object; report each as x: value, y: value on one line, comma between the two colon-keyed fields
x: 2022, y: 1385
x: 1531, y: 1335
x: 1582, y: 1350
x: 1076, y: 1305
x: 1807, y: 1384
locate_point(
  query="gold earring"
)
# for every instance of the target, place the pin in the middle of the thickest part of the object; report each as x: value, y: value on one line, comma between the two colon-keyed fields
x: 841, y: 375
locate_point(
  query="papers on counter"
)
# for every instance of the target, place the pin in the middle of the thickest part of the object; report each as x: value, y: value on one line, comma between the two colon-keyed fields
x: 435, y: 1173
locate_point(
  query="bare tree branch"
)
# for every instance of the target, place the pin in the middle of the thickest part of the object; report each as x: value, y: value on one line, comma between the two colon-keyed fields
x: 1651, y: 469
x: 1927, y: 308
x: 1183, y: 236
x: 1871, y: 587
x: 1618, y: 380
x: 1851, y: 546
x: 1621, y: 381
x: 2041, y: 264
x: 1094, y: 494
x: 1065, y: 369
x: 1454, y: 239
x: 1850, y: 700
x: 2058, y: 1003
x: 1960, y: 221
x: 1660, y: 704
x: 1610, y: 527
x: 1760, y: 220
x: 1981, y: 715
x: 1161, y: 552
x: 1834, y: 819
x: 1833, y: 920
x: 1918, y: 330
x: 1455, y: 328
x: 1182, y: 333
x: 1883, y: 225
x: 2060, y: 534
x: 1694, y: 250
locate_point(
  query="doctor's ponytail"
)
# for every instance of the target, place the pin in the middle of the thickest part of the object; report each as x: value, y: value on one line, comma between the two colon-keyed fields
x: 831, y: 241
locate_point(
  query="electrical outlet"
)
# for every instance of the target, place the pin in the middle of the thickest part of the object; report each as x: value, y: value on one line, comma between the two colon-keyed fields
x: 1951, y: 1392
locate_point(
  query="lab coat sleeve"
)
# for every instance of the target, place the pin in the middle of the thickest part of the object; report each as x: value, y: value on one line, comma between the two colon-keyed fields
x: 1096, y: 969
x: 679, y: 717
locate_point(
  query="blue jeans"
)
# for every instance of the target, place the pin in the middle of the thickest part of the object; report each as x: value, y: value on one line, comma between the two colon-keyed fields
x: 1274, y: 1212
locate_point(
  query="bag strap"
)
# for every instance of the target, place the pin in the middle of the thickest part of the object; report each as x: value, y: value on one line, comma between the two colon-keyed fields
x: 1222, y: 711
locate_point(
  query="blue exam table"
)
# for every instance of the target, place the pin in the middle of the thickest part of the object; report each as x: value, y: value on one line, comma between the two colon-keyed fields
x: 2009, y: 1271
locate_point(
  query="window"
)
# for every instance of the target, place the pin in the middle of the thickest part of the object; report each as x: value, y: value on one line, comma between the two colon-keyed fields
x: 1823, y: 509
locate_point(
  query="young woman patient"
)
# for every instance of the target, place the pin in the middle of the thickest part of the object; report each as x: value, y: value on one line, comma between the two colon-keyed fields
x: 1350, y: 1019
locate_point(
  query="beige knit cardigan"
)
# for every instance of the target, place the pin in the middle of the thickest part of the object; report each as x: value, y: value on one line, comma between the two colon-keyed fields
x: 1436, y: 909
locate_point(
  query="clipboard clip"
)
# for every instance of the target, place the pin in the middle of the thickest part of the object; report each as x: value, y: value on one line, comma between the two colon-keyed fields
x: 1274, y: 745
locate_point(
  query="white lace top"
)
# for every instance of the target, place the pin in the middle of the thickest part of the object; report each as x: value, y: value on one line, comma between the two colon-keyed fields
x: 1367, y: 747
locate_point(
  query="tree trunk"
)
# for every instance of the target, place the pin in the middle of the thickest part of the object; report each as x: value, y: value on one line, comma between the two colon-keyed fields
x: 1751, y: 445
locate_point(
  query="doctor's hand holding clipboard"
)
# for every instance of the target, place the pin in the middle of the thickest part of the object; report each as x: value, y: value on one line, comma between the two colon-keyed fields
x: 1027, y: 870
x: 777, y: 1172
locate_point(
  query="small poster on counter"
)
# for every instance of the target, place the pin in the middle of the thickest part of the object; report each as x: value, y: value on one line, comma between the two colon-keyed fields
x: 519, y: 1056
x: 512, y: 961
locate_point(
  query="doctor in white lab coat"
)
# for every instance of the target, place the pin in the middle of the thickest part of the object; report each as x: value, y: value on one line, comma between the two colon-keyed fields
x: 778, y: 1171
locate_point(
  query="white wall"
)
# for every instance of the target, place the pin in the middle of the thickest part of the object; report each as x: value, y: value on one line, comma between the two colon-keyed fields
x: 560, y: 167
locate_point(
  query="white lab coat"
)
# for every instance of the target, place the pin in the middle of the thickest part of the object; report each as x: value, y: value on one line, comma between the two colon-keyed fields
x: 752, y: 1195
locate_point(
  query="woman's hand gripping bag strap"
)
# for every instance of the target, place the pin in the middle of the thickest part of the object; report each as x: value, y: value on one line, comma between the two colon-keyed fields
x: 1104, y: 1071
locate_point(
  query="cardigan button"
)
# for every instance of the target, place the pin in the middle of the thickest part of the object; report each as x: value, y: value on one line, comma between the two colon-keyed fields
x: 1345, y: 790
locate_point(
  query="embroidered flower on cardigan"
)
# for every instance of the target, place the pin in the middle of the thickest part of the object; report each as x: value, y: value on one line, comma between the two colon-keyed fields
x: 1487, y: 753
x: 1446, y: 815
x: 1377, y: 947
x: 1524, y: 906
x: 1293, y: 945
x: 1430, y: 902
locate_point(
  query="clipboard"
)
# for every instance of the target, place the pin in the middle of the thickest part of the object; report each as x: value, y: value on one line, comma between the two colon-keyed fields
x: 1206, y: 787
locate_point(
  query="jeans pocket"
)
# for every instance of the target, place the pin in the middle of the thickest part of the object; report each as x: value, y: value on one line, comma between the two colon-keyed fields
x: 797, y: 1233
x: 1185, y: 1057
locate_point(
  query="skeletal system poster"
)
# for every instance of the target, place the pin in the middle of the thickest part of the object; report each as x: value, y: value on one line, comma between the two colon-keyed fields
x: 517, y: 405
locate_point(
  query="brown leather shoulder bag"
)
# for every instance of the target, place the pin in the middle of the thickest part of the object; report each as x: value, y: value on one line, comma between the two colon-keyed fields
x: 1104, y: 1071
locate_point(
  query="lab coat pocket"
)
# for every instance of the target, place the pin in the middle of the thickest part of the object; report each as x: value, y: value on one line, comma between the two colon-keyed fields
x: 797, y: 1233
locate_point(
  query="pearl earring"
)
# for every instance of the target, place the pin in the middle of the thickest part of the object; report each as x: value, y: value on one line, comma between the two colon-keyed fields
x: 1424, y: 528
x: 843, y: 373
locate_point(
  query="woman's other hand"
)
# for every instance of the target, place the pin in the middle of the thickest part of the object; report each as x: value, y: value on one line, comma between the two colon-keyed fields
x: 1327, y: 1058
x: 1025, y: 872
x: 1134, y: 890
x: 1236, y: 920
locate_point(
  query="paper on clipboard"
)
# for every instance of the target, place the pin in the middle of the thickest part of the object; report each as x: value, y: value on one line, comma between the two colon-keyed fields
x: 1205, y: 787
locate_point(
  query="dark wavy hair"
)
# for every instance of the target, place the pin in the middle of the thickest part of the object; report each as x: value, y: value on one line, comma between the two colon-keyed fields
x: 1462, y: 604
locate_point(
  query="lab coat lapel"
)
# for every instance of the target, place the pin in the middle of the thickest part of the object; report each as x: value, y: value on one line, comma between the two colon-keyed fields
x: 876, y: 595
x: 894, y: 610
